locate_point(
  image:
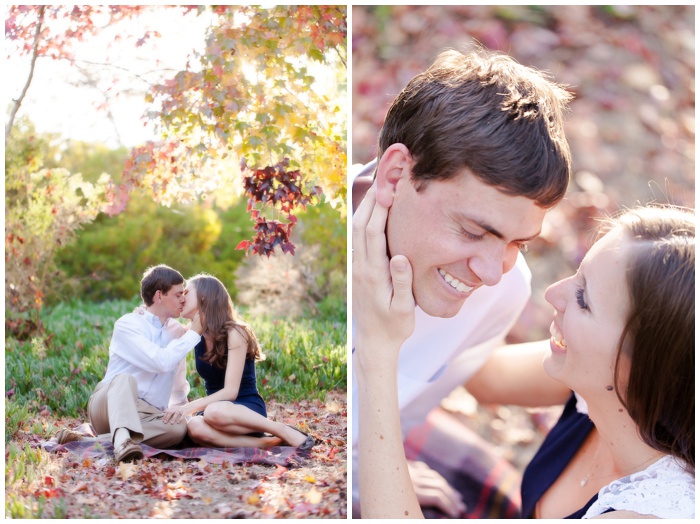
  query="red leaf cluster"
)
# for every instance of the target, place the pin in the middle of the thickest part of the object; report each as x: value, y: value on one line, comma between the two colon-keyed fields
x: 282, y: 190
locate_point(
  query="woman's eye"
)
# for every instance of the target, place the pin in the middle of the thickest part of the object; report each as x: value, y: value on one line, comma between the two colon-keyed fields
x: 579, y: 298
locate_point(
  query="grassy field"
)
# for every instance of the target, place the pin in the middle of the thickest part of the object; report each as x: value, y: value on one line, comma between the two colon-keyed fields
x: 50, y: 377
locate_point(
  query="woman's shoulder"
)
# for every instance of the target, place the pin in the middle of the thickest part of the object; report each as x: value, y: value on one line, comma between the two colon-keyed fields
x: 665, y: 489
x: 236, y: 339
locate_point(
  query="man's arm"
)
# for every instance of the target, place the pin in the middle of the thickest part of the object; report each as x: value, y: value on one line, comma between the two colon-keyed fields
x: 181, y: 387
x: 514, y: 375
x: 130, y: 342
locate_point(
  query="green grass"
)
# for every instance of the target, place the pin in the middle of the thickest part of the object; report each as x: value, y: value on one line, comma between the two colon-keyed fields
x: 56, y: 372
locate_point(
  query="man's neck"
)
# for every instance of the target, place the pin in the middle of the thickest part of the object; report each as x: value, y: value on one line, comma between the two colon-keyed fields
x: 154, y: 310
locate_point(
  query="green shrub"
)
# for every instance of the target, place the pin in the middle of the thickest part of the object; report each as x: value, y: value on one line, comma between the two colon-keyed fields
x: 324, y: 228
x: 110, y: 256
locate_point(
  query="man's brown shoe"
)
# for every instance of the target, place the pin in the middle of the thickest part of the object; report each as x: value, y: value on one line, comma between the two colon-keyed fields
x: 128, y: 451
x: 68, y: 435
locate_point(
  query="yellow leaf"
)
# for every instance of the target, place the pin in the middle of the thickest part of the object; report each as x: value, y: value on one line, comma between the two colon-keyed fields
x: 254, y: 498
x: 310, y: 478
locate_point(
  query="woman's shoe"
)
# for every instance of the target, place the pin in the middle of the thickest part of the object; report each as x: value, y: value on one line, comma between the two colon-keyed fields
x: 309, y: 443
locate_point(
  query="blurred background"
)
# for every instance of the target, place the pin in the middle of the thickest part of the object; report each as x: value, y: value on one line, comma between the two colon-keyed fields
x: 630, y: 128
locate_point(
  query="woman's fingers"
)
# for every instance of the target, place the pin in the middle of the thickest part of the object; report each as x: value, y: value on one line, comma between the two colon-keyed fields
x: 402, y: 281
x: 375, y: 238
x: 359, y: 224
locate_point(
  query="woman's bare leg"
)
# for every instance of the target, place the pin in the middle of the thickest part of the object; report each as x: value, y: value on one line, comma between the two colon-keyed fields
x: 203, y: 434
x: 235, y: 419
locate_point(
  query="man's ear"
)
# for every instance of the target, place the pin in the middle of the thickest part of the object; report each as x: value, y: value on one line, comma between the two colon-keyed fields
x: 396, y: 164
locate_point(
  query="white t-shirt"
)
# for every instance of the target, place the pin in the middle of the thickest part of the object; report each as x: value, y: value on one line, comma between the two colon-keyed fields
x: 443, y: 353
x: 154, y: 354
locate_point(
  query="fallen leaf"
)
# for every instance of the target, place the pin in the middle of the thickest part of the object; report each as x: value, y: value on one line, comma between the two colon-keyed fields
x: 127, y: 470
x: 313, y: 496
x: 254, y: 499
x: 80, y: 487
x: 310, y: 479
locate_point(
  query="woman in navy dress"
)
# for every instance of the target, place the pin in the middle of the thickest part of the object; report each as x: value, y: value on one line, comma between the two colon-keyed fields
x: 233, y: 413
x: 622, y: 338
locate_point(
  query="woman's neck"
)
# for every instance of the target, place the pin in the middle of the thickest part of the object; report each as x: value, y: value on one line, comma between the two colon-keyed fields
x: 619, y: 443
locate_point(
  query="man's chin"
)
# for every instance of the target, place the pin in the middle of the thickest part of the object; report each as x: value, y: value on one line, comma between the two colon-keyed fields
x: 440, y: 309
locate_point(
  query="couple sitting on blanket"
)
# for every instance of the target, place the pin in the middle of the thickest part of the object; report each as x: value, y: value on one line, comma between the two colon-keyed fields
x: 143, y: 396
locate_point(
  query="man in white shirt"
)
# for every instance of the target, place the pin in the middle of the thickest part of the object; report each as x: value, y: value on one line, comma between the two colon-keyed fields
x: 146, y: 371
x: 471, y: 155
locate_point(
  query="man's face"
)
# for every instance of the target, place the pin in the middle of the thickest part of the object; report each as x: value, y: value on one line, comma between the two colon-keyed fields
x: 458, y: 234
x: 172, y: 302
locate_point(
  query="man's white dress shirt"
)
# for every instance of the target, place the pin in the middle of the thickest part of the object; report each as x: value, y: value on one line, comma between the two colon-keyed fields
x: 154, y: 354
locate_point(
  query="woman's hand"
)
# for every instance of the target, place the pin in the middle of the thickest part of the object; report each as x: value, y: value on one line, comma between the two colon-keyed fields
x: 196, y: 323
x: 383, y: 305
x: 384, y: 315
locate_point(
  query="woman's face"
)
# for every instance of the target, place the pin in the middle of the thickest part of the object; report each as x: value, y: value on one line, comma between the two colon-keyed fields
x: 191, y: 307
x: 591, y: 309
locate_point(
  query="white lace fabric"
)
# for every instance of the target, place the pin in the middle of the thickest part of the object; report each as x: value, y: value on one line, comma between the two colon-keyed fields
x: 664, y: 490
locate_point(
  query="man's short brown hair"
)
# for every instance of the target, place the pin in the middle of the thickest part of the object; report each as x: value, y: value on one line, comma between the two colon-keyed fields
x: 484, y: 111
x: 158, y: 278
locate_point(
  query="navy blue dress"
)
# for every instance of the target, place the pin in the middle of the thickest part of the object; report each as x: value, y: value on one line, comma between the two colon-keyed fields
x: 557, y: 450
x: 214, y: 376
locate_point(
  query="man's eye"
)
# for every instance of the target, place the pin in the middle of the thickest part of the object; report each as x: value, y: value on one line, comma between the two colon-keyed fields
x: 471, y: 236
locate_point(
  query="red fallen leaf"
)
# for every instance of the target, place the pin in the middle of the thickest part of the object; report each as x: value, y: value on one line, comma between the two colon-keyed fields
x: 48, y: 493
x: 332, y: 452
x: 49, y: 480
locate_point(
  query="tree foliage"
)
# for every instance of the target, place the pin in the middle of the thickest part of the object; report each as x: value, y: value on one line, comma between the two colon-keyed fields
x: 268, y: 90
x: 266, y: 93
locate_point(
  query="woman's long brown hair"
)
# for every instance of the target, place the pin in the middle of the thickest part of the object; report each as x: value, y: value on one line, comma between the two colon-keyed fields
x: 218, y: 318
x: 659, y: 336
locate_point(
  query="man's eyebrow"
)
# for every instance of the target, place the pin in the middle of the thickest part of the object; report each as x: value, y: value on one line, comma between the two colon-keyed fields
x: 490, y: 229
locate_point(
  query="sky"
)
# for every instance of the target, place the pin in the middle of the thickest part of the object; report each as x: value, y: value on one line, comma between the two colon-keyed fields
x: 56, y: 105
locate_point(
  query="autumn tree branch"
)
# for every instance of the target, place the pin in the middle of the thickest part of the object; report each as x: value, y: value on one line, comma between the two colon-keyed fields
x: 35, y: 52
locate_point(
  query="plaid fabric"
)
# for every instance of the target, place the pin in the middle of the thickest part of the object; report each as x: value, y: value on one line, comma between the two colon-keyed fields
x: 286, y: 456
x: 489, y: 484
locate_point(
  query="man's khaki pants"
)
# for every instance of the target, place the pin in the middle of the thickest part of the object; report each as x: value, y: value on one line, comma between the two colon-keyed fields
x: 116, y: 405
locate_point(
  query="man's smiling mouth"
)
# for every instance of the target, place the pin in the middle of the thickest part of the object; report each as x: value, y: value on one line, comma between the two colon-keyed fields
x: 455, y: 283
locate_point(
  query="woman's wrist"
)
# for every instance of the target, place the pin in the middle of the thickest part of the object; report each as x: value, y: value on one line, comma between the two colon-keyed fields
x: 374, y: 358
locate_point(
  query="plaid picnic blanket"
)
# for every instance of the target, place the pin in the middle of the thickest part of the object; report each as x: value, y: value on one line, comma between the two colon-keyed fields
x: 489, y: 484
x: 286, y: 456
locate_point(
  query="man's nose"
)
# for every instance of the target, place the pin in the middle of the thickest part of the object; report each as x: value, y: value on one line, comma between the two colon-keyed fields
x: 491, y: 263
